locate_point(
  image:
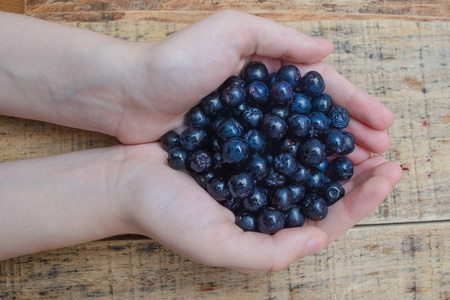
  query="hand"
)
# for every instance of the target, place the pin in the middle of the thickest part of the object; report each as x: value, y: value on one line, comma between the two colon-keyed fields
x: 170, y: 207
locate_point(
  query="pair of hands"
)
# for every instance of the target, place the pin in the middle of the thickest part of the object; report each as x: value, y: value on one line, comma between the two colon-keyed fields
x: 158, y: 82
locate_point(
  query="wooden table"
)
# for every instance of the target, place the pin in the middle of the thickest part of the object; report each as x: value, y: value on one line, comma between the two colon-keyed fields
x: 399, y: 51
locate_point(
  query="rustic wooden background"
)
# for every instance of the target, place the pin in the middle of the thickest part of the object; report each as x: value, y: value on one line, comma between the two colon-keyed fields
x: 398, y: 51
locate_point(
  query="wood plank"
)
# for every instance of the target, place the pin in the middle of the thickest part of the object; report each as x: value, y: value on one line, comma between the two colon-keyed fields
x: 404, y: 7
x: 14, y: 6
x: 379, y: 262
x: 404, y: 64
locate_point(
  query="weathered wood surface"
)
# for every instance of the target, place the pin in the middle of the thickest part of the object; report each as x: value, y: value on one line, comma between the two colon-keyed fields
x: 399, y: 51
x: 379, y: 262
x: 14, y: 6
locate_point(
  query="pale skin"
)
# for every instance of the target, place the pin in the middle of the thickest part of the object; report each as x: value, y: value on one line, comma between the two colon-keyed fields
x: 137, y: 92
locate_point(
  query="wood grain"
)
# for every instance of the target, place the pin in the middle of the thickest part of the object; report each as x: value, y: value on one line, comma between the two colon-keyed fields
x: 14, y: 6
x: 364, y: 264
x: 436, y: 8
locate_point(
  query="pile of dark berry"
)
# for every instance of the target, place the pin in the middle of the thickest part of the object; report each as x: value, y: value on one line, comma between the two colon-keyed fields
x: 269, y: 147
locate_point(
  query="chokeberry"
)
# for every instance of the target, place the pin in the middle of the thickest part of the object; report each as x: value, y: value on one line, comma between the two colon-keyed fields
x: 341, y: 168
x: 312, y: 84
x: 169, y: 140
x: 270, y: 220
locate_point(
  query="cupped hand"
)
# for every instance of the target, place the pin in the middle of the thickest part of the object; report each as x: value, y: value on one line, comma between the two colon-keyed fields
x: 170, y: 207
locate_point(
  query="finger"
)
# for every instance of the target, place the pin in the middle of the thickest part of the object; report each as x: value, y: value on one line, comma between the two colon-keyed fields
x: 360, y: 105
x: 250, y: 35
x: 359, y: 155
x: 376, y: 166
x: 253, y: 251
x: 373, y: 140
x: 359, y: 203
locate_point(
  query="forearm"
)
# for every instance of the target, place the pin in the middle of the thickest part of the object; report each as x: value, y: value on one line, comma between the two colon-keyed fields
x: 60, y: 74
x: 59, y: 201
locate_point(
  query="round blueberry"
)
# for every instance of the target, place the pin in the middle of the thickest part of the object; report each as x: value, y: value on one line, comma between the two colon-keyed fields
x: 274, y: 179
x: 290, y: 74
x: 319, y: 123
x: 252, y: 117
x: 281, y: 198
x: 257, y: 94
x: 232, y: 81
x: 315, y: 181
x: 193, y: 138
x: 341, y: 169
x: 334, y: 141
x: 314, y: 207
x: 332, y: 192
x: 255, y: 71
x: 300, y: 175
x: 285, y: 164
x: 273, y: 126
x: 241, y: 185
x: 294, y: 217
x: 323, y: 166
x: 281, y: 93
x: 312, y: 84
x: 270, y: 220
x: 211, y: 104
x: 339, y: 117
x: 246, y: 221
x: 197, y: 117
x: 321, y: 103
x: 301, y: 104
x: 234, y: 151
x: 280, y: 111
x: 169, y: 140
x: 177, y: 158
x: 255, y: 140
x: 257, y: 166
x: 312, y: 152
x: 200, y: 161
x: 229, y: 128
x: 233, y: 96
x: 298, y: 191
x: 256, y: 200
x: 218, y: 189
x: 349, y: 144
x: 299, y: 125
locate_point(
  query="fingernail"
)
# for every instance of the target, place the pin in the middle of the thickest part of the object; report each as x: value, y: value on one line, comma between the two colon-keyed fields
x: 315, y: 245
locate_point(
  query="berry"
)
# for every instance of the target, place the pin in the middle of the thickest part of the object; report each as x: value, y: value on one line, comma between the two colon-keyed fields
x: 218, y: 189
x: 285, y: 164
x: 282, y: 198
x: 341, y: 168
x: 290, y: 146
x: 270, y: 220
x: 169, y: 140
x: 193, y: 138
x: 312, y: 84
x: 255, y: 71
x: 349, y: 144
x: 257, y: 94
x: 197, y: 117
x: 258, y: 166
x: 211, y: 104
x: 241, y: 185
x: 234, y: 151
x: 315, y: 181
x: 301, y: 104
x: 233, y: 96
x: 257, y: 200
x: 290, y: 74
x: 246, y: 221
x: 274, y: 127
x: 314, y: 207
x: 256, y: 140
x: 299, y: 125
x: 301, y: 174
x: 200, y: 161
x: 177, y: 158
x: 321, y: 103
x: 294, y: 217
x: 229, y: 128
x: 274, y: 179
x: 319, y: 123
x: 281, y: 93
x: 339, y: 117
x: 312, y: 152
x: 232, y: 81
x: 252, y: 117
x: 332, y: 192
x: 334, y: 141
x: 298, y: 191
